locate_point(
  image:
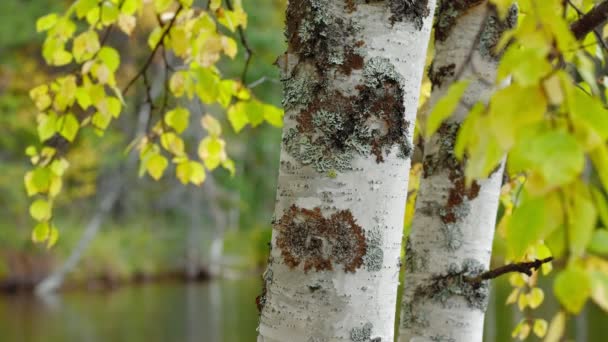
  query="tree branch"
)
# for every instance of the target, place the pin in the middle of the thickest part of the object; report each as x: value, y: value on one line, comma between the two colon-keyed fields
x: 520, y: 267
x: 143, y: 69
x: 245, y: 43
x: 590, y: 21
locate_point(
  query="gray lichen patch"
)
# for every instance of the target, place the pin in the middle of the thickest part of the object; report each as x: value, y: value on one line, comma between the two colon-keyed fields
x: 299, y: 91
x: 455, y: 283
x: 456, y: 207
x: 374, y: 258
x: 448, y: 12
x: 363, y: 334
x: 409, y: 11
x: 413, y: 260
x: 307, y: 237
x: 443, y: 158
x: 410, y: 317
x: 493, y: 31
x: 314, y: 32
x: 437, y: 75
x: 335, y: 128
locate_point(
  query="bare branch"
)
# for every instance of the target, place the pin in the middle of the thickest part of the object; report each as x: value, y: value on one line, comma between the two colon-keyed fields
x: 521, y: 267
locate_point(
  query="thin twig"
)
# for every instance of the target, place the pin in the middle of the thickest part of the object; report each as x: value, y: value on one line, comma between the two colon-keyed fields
x: 160, y: 43
x: 245, y: 43
x: 520, y: 267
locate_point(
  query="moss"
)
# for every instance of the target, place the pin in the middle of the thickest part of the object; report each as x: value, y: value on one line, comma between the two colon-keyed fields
x: 493, y: 30
x: 409, y: 11
x: 448, y: 11
x: 307, y: 237
x: 442, y: 288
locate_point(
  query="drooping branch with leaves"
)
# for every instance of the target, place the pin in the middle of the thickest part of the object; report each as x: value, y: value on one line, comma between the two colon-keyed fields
x: 89, y: 94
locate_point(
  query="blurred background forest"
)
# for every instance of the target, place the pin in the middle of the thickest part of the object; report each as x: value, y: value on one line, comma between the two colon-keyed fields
x: 170, y: 262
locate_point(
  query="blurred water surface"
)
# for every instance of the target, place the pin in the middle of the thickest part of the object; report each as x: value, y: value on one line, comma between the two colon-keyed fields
x: 216, y: 311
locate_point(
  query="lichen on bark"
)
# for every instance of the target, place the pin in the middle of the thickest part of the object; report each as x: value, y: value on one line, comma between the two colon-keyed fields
x: 335, y: 128
x: 307, y: 237
x: 493, y: 31
x: 448, y: 11
x: 456, y: 283
x: 409, y: 11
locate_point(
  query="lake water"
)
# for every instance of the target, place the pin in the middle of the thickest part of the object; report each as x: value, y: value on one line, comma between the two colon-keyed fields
x: 217, y: 311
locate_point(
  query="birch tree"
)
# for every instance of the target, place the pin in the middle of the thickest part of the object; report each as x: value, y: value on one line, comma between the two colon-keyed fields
x: 351, y: 76
x: 450, y: 242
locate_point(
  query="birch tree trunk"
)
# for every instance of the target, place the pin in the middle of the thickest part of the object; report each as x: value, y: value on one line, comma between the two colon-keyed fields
x: 453, y: 226
x: 351, y: 75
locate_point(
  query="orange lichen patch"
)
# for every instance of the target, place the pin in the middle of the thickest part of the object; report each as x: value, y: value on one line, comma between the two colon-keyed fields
x: 307, y: 237
x: 350, y: 5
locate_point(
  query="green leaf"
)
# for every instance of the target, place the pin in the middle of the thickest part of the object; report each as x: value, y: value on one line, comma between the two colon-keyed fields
x: 41, y: 232
x: 540, y: 328
x: 555, y: 157
x: 237, y: 116
x: 445, y: 106
x: 110, y: 57
x: 532, y: 221
x: 599, y: 289
x: 46, y: 22
x: 69, y: 126
x: 178, y: 119
x: 582, y: 217
x: 211, y: 151
x: 47, y: 126
x: 162, y: 5
x: 37, y: 181
x: 40, y: 210
x: 172, y: 143
x: 556, y: 327
x: 589, y: 112
x: 535, y: 298
x: 85, y: 46
x: 154, y: 37
x: 84, y: 6
x: 599, y: 157
x: 53, y: 237
x: 600, y: 204
x: 109, y: 13
x: 599, y: 242
x: 40, y: 95
x: 156, y: 166
x: 572, y: 287
x: 514, y: 108
x: 211, y: 125
x: 273, y: 115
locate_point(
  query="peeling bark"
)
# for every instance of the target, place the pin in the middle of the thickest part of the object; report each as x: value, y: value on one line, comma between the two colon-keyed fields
x: 350, y: 96
x: 453, y: 227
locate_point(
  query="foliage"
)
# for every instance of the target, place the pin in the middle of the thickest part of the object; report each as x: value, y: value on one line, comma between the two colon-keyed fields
x: 551, y: 122
x: 89, y: 96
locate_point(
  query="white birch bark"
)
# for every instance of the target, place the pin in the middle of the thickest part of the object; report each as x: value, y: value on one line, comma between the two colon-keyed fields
x: 453, y: 226
x: 352, y: 75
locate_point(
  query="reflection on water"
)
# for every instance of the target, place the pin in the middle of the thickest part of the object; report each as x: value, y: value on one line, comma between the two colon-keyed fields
x: 218, y: 311
x: 215, y: 311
